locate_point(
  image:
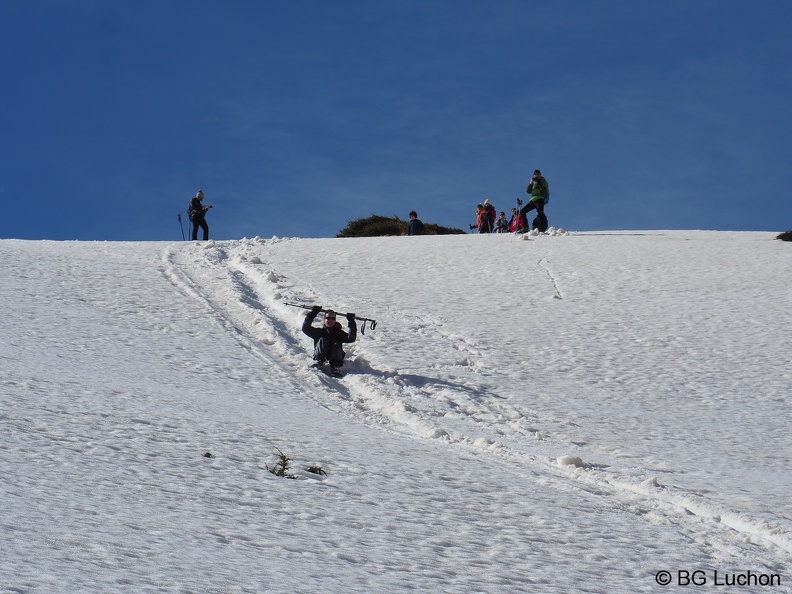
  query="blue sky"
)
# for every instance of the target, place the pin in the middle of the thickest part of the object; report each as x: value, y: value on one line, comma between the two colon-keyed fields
x: 297, y: 117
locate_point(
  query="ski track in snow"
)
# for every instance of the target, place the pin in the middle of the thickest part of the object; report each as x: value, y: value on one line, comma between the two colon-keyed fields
x: 545, y: 265
x: 246, y: 295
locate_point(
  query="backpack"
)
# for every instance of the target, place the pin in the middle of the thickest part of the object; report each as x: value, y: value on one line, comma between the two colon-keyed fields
x: 191, y: 211
x: 544, y: 188
x: 540, y: 222
x: 485, y: 226
x: 488, y: 216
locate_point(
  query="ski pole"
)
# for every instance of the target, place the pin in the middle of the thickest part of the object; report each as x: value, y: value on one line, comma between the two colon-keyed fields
x: 372, y: 323
x: 518, y: 223
x: 182, y: 227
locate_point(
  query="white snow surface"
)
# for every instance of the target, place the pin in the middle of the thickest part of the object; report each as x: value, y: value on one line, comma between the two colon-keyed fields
x: 571, y: 412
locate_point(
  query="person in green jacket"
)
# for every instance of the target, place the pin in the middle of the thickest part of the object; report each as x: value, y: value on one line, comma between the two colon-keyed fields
x: 540, y: 196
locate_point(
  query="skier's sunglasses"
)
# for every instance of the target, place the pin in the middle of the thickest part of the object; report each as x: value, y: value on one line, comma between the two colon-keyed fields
x: 329, y: 318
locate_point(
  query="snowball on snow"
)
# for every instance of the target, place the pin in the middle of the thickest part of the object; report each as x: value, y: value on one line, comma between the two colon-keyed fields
x: 570, y: 461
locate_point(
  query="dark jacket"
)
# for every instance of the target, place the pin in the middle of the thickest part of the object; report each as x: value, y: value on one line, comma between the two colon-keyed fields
x: 196, y: 210
x: 415, y: 227
x: 336, y: 332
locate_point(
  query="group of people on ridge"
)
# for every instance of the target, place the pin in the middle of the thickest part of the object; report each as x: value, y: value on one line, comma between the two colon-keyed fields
x: 487, y: 221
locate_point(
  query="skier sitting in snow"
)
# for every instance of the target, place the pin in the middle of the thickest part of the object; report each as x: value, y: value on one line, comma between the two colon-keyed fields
x: 328, y: 338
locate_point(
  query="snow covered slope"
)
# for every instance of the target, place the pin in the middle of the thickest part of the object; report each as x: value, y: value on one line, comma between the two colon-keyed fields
x: 549, y: 414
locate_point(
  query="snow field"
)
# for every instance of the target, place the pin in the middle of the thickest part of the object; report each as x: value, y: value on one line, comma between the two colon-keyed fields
x: 647, y: 357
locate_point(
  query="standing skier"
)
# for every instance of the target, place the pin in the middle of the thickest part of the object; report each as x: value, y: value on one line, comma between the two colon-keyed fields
x: 502, y: 224
x: 479, y: 208
x: 540, y: 195
x: 197, y: 215
x: 486, y: 220
x: 329, y: 338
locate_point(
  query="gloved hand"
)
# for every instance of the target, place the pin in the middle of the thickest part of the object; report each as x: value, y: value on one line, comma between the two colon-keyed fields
x: 350, y: 317
x: 315, y: 310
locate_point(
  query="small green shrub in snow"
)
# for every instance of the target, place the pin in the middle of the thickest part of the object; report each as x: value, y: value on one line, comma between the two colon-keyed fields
x: 379, y: 226
x: 282, y: 467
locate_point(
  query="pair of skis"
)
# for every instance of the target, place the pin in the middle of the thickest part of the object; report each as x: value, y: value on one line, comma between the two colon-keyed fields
x: 327, y: 370
x: 522, y: 220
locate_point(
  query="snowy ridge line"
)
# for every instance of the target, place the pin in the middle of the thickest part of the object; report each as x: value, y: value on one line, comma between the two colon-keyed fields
x: 411, y: 404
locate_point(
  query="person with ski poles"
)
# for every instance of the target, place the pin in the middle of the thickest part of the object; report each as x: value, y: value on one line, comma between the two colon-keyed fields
x: 329, y: 338
x: 517, y: 221
x: 197, y: 215
x: 479, y: 208
x: 487, y: 216
x: 540, y: 196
